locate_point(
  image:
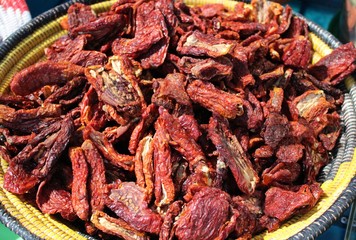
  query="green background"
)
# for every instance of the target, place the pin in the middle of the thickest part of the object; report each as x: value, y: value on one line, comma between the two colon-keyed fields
x: 6, y: 234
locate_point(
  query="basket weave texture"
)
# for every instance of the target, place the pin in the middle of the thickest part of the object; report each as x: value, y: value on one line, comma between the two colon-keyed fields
x: 26, y: 47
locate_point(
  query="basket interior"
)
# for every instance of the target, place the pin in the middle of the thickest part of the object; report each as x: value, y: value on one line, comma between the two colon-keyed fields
x: 338, y: 174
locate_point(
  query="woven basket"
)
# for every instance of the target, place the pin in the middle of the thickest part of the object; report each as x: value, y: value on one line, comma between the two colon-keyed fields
x: 26, y: 47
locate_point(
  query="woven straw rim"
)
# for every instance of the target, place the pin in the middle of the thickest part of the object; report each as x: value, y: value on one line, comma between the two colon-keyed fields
x: 339, y: 182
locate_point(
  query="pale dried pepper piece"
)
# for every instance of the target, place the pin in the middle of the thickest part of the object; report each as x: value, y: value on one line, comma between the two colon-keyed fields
x: 116, y: 226
x: 234, y: 156
x: 221, y: 173
x: 80, y: 196
x: 275, y: 74
x: 164, y: 187
x: 130, y: 70
x: 115, y: 90
x: 144, y: 165
x: 274, y: 15
x: 275, y: 102
x: 198, y: 44
x: 116, y: 133
x: 312, y: 104
x: 112, y: 114
x: 180, y: 175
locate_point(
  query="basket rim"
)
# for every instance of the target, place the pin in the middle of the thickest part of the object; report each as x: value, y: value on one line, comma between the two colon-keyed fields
x: 14, y: 225
x: 334, y: 212
x: 311, y: 231
x: 35, y: 23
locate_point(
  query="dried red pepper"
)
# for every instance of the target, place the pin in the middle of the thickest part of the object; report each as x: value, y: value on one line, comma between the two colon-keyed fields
x: 185, y: 122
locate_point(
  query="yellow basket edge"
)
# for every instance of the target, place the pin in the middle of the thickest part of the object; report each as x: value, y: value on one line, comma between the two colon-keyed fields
x: 289, y: 228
